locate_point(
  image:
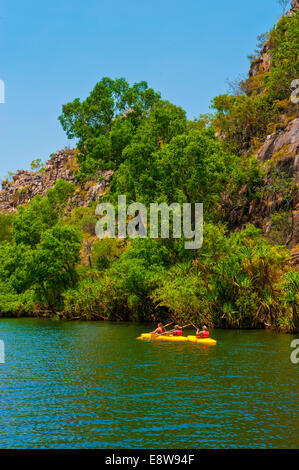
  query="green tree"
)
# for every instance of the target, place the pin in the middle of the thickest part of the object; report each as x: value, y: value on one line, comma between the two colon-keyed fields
x: 106, y: 121
x: 6, y: 227
x: 136, y: 275
x: 42, y: 213
x: 53, y: 265
x: 291, y: 295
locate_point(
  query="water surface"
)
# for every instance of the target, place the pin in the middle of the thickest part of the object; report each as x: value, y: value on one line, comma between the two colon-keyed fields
x: 93, y: 385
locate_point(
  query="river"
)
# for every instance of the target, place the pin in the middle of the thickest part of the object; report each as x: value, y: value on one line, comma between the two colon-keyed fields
x: 93, y: 385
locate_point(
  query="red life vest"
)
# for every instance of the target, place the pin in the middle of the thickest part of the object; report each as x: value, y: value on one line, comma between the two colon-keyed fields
x: 205, y: 334
x: 179, y: 332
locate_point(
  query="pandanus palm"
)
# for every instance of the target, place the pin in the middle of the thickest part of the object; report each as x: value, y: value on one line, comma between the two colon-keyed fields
x: 291, y: 288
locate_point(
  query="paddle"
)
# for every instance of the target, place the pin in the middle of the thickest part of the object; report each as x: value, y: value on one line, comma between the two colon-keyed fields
x: 196, y: 329
x: 165, y: 326
x: 168, y: 324
x: 171, y: 331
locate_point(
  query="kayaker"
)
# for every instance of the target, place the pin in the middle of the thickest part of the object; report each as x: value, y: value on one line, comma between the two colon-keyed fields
x: 204, y: 333
x: 178, y: 331
x: 160, y: 329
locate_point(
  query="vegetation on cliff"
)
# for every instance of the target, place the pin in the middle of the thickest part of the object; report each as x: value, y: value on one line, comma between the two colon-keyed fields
x: 51, y: 262
x: 262, y: 101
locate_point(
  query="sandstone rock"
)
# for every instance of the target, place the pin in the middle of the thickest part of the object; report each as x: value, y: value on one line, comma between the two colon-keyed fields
x: 283, y: 148
x: 62, y: 164
x: 262, y: 64
x: 285, y: 138
x: 295, y: 6
x: 280, y: 152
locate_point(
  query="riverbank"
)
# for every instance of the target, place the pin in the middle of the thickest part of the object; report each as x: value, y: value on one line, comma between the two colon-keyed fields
x: 242, y: 166
x: 151, y: 322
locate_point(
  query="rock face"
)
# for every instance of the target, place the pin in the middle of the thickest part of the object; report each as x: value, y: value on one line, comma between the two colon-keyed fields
x: 279, y: 152
x: 280, y: 156
x: 27, y: 184
x: 295, y: 6
x: 282, y: 148
x: 284, y: 143
x: 263, y: 62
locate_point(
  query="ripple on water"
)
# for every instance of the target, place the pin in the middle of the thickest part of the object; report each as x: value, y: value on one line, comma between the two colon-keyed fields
x: 89, y: 384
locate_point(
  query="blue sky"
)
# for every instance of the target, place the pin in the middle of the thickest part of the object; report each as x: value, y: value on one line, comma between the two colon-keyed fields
x: 54, y: 51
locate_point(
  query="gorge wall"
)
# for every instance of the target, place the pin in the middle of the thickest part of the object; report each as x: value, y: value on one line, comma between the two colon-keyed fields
x: 279, y: 152
x: 61, y: 165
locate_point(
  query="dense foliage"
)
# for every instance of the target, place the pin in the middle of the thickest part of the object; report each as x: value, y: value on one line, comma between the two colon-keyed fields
x: 51, y: 262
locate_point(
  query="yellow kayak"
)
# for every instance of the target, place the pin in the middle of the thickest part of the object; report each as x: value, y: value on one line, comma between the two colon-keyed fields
x: 191, y: 339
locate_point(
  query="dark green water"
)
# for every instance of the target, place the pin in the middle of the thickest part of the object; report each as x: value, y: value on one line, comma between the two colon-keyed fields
x: 80, y: 385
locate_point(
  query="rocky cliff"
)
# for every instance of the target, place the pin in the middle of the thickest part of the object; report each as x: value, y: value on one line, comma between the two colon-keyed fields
x: 294, y: 7
x: 281, y: 149
x: 62, y: 165
x: 279, y: 153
